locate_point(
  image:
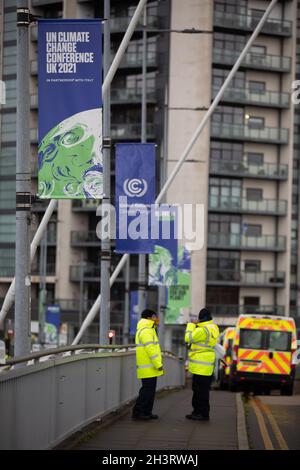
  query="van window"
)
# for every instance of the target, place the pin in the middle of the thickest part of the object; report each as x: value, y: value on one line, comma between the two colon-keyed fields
x: 279, y: 341
x: 251, y: 339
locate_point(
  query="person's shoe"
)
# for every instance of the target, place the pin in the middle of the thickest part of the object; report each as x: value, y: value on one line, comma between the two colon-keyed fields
x: 152, y: 416
x: 141, y: 417
x: 197, y: 417
x: 200, y: 418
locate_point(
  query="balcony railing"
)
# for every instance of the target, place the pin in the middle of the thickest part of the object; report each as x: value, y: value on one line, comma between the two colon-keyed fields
x: 243, y: 205
x: 123, y: 95
x: 7, y: 168
x: 236, y: 241
x: 85, y: 205
x: 235, y: 310
x: 7, y: 271
x: 121, y: 23
x: 245, y: 278
x: 272, y: 26
x: 246, y: 96
x: 271, y: 135
x: 253, y: 60
x: 130, y: 131
x: 135, y: 59
x: 85, y: 238
x: 91, y: 273
x: 50, y: 270
x: 8, y: 203
x: 243, y: 168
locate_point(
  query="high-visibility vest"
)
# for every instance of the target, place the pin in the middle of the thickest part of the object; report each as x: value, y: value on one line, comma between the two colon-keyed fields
x: 148, y: 353
x: 201, y: 339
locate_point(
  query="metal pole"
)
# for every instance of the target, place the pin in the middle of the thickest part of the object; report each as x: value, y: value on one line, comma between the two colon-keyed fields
x: 23, y: 187
x: 81, y: 290
x: 10, y: 296
x: 127, y: 301
x: 91, y: 315
x: 161, y: 312
x: 104, y: 320
x: 142, y: 257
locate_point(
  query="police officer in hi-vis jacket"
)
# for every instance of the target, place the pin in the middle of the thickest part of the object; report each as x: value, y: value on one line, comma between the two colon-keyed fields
x: 201, y: 337
x: 149, y: 364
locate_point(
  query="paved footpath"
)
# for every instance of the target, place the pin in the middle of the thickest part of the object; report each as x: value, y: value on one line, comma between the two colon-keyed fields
x: 173, y: 430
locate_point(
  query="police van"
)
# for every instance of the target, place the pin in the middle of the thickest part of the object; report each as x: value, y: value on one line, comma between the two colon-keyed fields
x: 264, y: 354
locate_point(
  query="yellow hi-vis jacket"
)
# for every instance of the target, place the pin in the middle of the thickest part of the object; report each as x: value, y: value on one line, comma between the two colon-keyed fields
x: 148, y: 353
x: 201, y: 339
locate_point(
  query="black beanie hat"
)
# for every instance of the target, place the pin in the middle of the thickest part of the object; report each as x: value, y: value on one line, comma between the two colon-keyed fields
x: 204, y: 315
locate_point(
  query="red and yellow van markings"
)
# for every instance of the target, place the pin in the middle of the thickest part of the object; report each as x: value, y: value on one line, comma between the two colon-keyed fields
x: 278, y: 364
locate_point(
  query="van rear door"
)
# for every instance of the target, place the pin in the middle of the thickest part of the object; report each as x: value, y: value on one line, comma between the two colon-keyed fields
x: 250, y: 351
x: 279, y: 356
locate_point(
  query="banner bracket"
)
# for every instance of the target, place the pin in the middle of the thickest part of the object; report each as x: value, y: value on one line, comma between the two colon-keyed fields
x: 25, y: 18
x: 106, y: 142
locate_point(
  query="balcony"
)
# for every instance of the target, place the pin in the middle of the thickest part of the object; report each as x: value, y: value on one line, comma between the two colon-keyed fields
x: 33, y: 135
x: 269, y: 135
x: 91, y: 272
x: 129, y: 96
x: 131, y: 131
x: 7, y: 168
x: 7, y: 272
x: 231, y: 241
x: 132, y: 60
x: 121, y: 23
x: 85, y: 239
x: 253, y: 60
x: 243, y: 205
x: 272, y: 26
x: 8, y: 203
x: 34, y: 67
x: 216, y: 277
x: 244, y: 169
x: 235, y: 310
x: 85, y: 205
x: 50, y: 270
x: 245, y: 96
x: 34, y: 101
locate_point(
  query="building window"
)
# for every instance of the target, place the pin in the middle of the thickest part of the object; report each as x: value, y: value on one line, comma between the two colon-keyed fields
x: 252, y: 230
x: 238, y: 7
x: 252, y: 301
x: 229, y: 42
x: 254, y: 194
x: 224, y: 224
x: 220, y: 75
x: 252, y: 266
x: 257, y: 87
x: 255, y: 122
x: 258, y: 50
x: 255, y: 158
x: 228, y: 115
x: 226, y: 151
x: 227, y: 260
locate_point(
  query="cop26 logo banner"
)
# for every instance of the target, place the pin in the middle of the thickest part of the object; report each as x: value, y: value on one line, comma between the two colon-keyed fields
x: 70, y: 109
x: 135, y: 196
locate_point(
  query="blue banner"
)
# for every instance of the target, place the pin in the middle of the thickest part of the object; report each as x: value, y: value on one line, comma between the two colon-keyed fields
x: 135, y: 193
x: 163, y: 263
x: 70, y: 109
x: 52, y: 324
x: 134, y: 311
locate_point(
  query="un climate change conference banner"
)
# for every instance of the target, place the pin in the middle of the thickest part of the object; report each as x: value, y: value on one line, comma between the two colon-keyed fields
x: 163, y: 262
x: 70, y: 109
x: 135, y: 195
x: 179, y: 296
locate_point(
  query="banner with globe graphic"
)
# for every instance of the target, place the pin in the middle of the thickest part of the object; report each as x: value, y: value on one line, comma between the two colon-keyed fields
x: 70, y: 109
x: 135, y: 197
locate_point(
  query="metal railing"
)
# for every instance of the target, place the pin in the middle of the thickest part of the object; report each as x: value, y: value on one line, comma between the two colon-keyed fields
x: 253, y: 60
x: 237, y: 241
x: 243, y: 168
x: 272, y: 26
x: 242, y: 132
x: 60, y: 391
x: 85, y: 204
x: 244, y: 205
x: 121, y: 23
x: 130, y: 131
x: 123, y: 95
x: 247, y: 96
x: 246, y: 278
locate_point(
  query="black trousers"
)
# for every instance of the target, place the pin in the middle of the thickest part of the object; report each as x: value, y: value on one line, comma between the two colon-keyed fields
x: 145, y: 400
x: 201, y: 388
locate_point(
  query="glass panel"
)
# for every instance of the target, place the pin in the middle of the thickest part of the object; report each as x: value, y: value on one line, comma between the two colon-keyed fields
x: 279, y: 340
x: 251, y: 339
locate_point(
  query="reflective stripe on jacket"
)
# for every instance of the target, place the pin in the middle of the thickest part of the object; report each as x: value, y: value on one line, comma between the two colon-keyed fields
x: 148, y: 353
x: 201, y: 339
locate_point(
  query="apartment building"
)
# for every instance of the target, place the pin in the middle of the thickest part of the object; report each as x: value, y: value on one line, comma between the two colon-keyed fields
x: 244, y: 168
